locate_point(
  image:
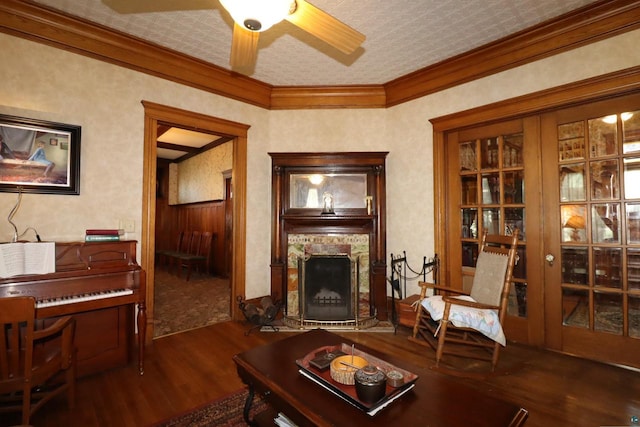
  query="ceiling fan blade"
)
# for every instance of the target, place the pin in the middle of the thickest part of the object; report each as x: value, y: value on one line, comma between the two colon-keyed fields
x: 143, y: 6
x: 244, y: 47
x: 325, y: 27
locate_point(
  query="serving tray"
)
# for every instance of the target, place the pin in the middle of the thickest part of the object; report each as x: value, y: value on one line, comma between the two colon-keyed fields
x: 348, y: 392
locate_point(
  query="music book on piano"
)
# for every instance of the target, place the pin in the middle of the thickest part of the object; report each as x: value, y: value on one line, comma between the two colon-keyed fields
x: 27, y: 258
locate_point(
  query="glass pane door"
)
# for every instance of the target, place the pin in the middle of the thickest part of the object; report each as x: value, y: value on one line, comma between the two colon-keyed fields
x: 492, y: 198
x: 596, y: 222
x: 593, y: 171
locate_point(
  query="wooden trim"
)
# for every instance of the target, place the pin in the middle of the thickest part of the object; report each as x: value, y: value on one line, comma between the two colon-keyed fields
x: 600, y: 87
x: 586, y: 25
x: 592, y: 23
x: 293, y: 98
x: 58, y: 29
x: 532, y: 328
x: 148, y: 235
x: 155, y: 113
x: 440, y: 207
x: 239, y: 236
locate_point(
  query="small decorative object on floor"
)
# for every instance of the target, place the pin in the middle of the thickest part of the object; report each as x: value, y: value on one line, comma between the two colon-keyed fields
x: 264, y: 315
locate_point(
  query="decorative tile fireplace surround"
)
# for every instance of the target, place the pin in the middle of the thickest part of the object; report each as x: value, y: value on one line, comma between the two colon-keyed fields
x: 328, y: 246
x: 353, y: 247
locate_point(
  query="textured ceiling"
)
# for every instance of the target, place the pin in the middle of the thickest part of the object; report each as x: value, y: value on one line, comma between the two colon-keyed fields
x: 402, y: 35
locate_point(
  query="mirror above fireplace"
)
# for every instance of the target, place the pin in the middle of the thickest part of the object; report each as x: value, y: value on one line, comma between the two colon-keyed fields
x: 347, y: 190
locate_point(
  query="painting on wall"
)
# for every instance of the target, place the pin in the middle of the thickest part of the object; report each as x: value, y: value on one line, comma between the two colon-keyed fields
x: 37, y: 156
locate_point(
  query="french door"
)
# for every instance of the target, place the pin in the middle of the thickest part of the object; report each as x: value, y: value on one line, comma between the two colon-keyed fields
x: 591, y: 170
x: 493, y: 180
x: 569, y: 180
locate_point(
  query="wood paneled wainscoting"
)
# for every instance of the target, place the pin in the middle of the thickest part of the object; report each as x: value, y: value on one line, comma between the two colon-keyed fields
x: 202, y: 216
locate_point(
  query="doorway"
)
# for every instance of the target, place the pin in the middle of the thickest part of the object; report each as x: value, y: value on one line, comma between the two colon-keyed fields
x: 191, y: 217
x: 155, y: 114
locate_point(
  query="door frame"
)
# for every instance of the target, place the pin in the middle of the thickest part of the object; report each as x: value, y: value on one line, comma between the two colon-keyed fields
x: 609, y: 85
x: 154, y: 113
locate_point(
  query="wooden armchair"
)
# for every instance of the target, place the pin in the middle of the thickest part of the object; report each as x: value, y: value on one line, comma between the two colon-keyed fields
x: 30, y: 359
x: 470, y: 325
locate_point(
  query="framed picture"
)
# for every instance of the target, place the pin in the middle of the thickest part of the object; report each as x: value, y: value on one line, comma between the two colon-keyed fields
x: 37, y: 156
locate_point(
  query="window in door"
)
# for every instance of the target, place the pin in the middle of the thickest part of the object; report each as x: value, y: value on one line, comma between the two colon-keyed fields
x: 491, y: 176
x: 599, y: 179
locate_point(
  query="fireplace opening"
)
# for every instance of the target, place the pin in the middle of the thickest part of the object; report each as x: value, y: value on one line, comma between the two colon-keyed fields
x: 328, y: 288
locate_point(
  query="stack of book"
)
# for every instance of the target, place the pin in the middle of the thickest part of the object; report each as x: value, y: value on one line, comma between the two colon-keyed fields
x: 103, y: 235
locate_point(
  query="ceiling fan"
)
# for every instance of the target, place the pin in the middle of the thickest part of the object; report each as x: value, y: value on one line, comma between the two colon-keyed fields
x: 251, y: 17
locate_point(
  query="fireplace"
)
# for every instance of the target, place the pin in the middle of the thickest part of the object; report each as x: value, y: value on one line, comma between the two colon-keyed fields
x: 328, y: 288
x: 328, y: 281
x: 316, y: 247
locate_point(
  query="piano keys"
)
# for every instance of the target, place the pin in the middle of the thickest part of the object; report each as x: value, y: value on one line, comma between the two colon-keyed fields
x: 99, y: 283
x: 74, y: 299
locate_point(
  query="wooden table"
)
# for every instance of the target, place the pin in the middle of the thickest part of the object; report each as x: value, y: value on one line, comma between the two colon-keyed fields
x: 436, y: 400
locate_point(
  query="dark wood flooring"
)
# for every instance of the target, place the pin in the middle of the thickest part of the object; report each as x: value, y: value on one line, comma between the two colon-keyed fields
x: 189, y: 369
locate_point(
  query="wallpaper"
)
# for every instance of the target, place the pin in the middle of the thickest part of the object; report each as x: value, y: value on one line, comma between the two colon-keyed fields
x: 199, y: 178
x: 51, y: 84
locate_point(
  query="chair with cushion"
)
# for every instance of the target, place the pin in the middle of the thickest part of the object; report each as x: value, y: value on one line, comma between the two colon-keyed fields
x: 452, y: 321
x: 35, y: 364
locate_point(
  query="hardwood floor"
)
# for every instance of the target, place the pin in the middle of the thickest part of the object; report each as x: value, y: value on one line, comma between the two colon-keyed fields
x: 186, y: 370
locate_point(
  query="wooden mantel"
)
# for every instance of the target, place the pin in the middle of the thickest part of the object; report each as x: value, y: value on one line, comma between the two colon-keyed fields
x: 288, y: 217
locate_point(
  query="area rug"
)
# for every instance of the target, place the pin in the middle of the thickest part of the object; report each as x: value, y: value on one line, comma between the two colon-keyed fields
x: 180, y: 305
x: 607, y: 319
x: 223, y: 412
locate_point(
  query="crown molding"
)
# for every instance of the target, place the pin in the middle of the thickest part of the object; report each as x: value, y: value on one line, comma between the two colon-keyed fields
x: 25, y: 19
x: 583, y: 26
x: 308, y: 97
x: 45, y: 25
x: 611, y: 85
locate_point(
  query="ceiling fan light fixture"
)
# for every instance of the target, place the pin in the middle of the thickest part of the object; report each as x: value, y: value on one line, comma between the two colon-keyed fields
x: 258, y: 15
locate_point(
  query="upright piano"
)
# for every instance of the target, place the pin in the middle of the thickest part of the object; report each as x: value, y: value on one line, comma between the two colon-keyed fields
x: 100, y: 284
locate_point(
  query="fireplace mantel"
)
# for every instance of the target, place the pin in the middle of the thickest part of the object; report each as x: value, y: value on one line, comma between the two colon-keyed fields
x: 355, y: 182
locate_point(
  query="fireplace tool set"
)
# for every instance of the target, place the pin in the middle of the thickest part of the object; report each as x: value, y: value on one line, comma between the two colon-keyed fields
x: 399, y: 267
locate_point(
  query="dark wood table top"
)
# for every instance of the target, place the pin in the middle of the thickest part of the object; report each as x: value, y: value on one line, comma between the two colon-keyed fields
x: 436, y: 400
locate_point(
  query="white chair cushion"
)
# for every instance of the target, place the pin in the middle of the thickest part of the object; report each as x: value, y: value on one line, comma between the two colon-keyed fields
x: 483, y: 321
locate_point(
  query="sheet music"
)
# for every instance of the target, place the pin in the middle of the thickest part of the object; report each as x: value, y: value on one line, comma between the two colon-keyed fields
x: 27, y: 258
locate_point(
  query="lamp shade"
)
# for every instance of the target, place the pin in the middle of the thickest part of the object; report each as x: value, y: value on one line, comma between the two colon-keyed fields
x: 257, y: 15
x: 576, y: 222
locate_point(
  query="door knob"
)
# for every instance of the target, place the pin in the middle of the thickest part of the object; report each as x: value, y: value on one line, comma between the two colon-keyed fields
x: 549, y: 258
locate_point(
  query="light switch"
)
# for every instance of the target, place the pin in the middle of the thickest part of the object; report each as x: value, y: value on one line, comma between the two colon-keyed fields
x: 128, y: 225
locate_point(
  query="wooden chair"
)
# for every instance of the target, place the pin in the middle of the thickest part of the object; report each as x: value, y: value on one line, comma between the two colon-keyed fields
x: 163, y: 255
x: 31, y: 358
x: 470, y: 325
x: 183, y: 248
x: 198, y: 257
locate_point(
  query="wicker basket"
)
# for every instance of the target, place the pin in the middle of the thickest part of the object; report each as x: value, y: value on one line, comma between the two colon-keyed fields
x: 343, y: 368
